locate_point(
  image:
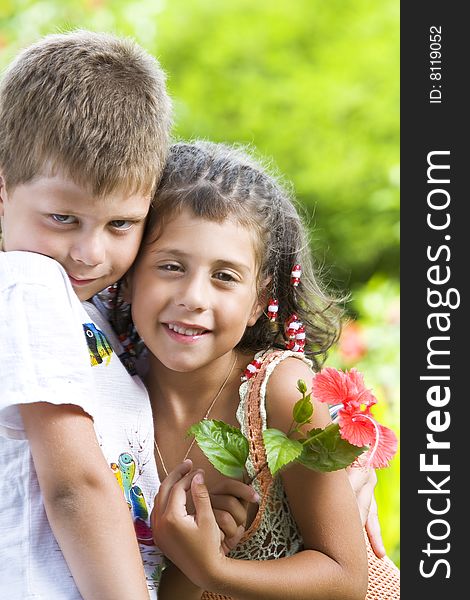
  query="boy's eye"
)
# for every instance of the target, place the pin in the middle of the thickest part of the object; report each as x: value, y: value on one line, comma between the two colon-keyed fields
x: 121, y: 224
x: 64, y: 219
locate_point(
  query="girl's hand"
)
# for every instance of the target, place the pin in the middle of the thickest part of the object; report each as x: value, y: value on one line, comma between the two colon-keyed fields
x: 363, y: 482
x: 230, y: 499
x: 194, y: 543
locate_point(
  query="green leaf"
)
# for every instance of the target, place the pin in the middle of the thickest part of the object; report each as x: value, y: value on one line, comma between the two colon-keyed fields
x: 303, y: 410
x: 225, y: 447
x: 325, y: 450
x: 280, y: 449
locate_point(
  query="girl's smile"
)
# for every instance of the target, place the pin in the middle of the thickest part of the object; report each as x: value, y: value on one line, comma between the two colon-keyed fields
x: 185, y: 334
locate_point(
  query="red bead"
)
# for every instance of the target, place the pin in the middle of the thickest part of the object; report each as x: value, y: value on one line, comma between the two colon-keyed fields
x: 300, y: 334
x: 292, y: 326
x: 295, y: 275
x: 295, y: 346
x: 251, y: 369
x: 290, y: 320
x: 273, y: 307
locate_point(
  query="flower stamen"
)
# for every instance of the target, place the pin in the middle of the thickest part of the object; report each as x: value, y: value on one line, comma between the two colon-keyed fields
x: 377, y: 435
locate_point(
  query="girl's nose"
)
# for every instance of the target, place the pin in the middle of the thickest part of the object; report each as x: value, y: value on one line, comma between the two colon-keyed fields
x: 193, y: 293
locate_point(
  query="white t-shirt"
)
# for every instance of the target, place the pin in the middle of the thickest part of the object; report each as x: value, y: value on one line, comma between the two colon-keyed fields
x: 54, y: 349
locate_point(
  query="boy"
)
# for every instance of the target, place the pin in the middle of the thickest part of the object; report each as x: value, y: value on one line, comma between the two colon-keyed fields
x: 84, y: 127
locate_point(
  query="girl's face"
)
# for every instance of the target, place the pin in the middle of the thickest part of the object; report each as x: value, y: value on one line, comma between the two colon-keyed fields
x: 194, y: 291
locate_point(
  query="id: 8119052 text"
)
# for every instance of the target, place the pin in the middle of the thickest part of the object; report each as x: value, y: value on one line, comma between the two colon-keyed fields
x: 435, y: 64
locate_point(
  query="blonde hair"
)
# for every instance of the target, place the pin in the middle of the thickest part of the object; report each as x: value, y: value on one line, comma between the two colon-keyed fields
x: 89, y: 104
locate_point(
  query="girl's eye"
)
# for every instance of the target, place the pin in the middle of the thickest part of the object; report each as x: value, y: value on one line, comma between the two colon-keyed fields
x: 224, y: 276
x: 169, y: 267
x: 121, y: 224
x: 64, y: 219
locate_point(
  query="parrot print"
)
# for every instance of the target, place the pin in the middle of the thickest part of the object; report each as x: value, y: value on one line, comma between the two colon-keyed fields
x: 126, y: 464
x: 124, y: 471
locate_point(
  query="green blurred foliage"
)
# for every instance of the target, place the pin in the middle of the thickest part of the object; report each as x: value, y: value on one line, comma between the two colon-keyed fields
x: 314, y: 86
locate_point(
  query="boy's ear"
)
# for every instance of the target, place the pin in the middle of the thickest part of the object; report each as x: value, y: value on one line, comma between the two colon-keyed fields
x: 3, y: 192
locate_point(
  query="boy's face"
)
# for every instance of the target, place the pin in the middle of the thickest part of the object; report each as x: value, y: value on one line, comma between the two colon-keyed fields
x: 95, y: 240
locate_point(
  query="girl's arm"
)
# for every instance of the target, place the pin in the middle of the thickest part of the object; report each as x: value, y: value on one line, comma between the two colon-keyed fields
x: 323, y: 504
x: 84, y: 503
x: 333, y: 564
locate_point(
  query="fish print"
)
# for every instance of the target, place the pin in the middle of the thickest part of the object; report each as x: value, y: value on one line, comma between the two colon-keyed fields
x: 98, y: 345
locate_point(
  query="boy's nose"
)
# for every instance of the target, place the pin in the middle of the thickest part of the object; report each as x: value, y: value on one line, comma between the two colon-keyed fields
x: 88, y: 250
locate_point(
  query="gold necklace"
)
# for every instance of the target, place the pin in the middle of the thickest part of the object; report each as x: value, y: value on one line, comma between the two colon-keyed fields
x: 211, y: 406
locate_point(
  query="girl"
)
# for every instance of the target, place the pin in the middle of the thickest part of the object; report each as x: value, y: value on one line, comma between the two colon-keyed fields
x: 216, y: 265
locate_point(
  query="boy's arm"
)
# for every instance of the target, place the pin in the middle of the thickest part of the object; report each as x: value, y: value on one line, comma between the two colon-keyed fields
x: 363, y: 482
x: 84, y: 503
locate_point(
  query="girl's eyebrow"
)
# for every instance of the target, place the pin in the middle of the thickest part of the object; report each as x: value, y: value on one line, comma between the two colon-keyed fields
x: 172, y: 251
x: 237, y: 266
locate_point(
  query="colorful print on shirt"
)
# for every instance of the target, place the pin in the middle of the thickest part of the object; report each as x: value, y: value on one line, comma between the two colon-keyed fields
x: 125, y: 472
x: 98, y: 346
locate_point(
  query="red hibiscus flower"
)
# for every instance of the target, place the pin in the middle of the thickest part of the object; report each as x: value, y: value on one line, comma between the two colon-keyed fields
x: 379, y: 455
x: 334, y: 386
x: 356, y: 423
x: 356, y: 427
